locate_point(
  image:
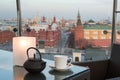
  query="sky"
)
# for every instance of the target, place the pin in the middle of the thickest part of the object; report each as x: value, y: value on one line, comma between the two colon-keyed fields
x: 67, y: 9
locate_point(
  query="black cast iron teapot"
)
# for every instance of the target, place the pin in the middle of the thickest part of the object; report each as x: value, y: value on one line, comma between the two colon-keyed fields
x: 33, y: 65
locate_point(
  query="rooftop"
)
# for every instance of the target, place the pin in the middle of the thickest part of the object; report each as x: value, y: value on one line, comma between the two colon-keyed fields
x: 99, y: 27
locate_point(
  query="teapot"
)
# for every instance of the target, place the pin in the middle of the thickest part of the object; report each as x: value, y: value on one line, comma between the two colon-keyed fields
x: 33, y: 65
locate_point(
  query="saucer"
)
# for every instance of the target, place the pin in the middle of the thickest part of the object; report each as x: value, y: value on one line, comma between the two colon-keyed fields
x: 65, y: 69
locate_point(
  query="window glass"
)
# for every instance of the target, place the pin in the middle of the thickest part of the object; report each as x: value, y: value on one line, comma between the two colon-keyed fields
x: 7, y: 23
x: 118, y: 23
x: 118, y: 28
x: 62, y: 26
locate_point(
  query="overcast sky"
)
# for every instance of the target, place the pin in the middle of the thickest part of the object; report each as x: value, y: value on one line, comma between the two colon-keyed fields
x: 67, y: 9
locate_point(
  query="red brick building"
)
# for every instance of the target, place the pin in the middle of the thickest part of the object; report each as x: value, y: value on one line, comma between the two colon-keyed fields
x: 47, y: 34
x: 89, y: 37
x: 6, y: 36
x: 78, y: 33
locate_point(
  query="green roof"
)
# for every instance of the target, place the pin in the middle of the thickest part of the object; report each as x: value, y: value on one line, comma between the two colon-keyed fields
x: 99, y: 27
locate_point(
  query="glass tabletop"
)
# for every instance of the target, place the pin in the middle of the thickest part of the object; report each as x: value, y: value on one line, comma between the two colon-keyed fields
x: 6, y: 65
x: 8, y: 72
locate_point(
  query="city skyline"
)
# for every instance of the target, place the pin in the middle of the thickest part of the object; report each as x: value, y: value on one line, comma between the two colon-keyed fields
x: 89, y: 9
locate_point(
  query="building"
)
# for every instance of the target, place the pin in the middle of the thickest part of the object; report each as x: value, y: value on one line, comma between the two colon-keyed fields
x: 47, y: 34
x: 78, y: 32
x: 6, y: 36
x: 94, y: 37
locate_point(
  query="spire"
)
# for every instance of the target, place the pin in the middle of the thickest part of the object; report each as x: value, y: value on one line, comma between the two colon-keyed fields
x: 54, y: 19
x: 78, y: 14
x: 43, y: 19
x: 78, y: 19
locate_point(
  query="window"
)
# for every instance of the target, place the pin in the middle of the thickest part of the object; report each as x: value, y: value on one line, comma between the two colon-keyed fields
x: 95, y: 37
x: 87, y: 33
x: 46, y: 21
x: 117, y: 23
x: 95, y: 32
x: 7, y: 23
x: 103, y: 37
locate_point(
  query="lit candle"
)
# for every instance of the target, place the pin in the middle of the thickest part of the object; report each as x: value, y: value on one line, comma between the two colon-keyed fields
x: 20, y: 46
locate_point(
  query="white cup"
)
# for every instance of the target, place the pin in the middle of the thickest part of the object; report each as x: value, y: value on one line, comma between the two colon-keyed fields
x: 60, y: 61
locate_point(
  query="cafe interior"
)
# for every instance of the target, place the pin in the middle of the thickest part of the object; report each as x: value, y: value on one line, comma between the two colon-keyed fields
x: 27, y: 63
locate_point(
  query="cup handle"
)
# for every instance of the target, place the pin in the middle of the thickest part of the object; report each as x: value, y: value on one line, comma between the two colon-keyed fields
x: 69, y: 60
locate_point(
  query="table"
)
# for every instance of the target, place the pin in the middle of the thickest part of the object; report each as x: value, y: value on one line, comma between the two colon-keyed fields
x: 8, y: 72
x: 116, y: 78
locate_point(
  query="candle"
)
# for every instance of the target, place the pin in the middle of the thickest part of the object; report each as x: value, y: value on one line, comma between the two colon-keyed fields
x: 20, y: 46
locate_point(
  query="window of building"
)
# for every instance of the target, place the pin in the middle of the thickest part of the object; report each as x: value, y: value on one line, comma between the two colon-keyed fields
x: 103, y: 37
x: 87, y: 37
x: 86, y: 32
x: 95, y: 37
x: 95, y: 32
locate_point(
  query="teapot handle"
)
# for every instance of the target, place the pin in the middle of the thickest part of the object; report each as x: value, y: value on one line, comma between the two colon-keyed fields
x: 35, y: 49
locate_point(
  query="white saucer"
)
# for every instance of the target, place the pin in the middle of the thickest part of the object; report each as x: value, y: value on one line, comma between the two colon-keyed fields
x: 66, y: 69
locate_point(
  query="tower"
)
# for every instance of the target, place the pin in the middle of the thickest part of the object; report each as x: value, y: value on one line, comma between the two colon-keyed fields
x: 79, y: 33
x: 54, y: 19
x: 78, y: 19
x: 43, y: 19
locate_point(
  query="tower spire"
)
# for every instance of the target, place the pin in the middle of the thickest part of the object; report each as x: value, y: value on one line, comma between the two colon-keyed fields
x: 78, y: 19
x: 54, y: 19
